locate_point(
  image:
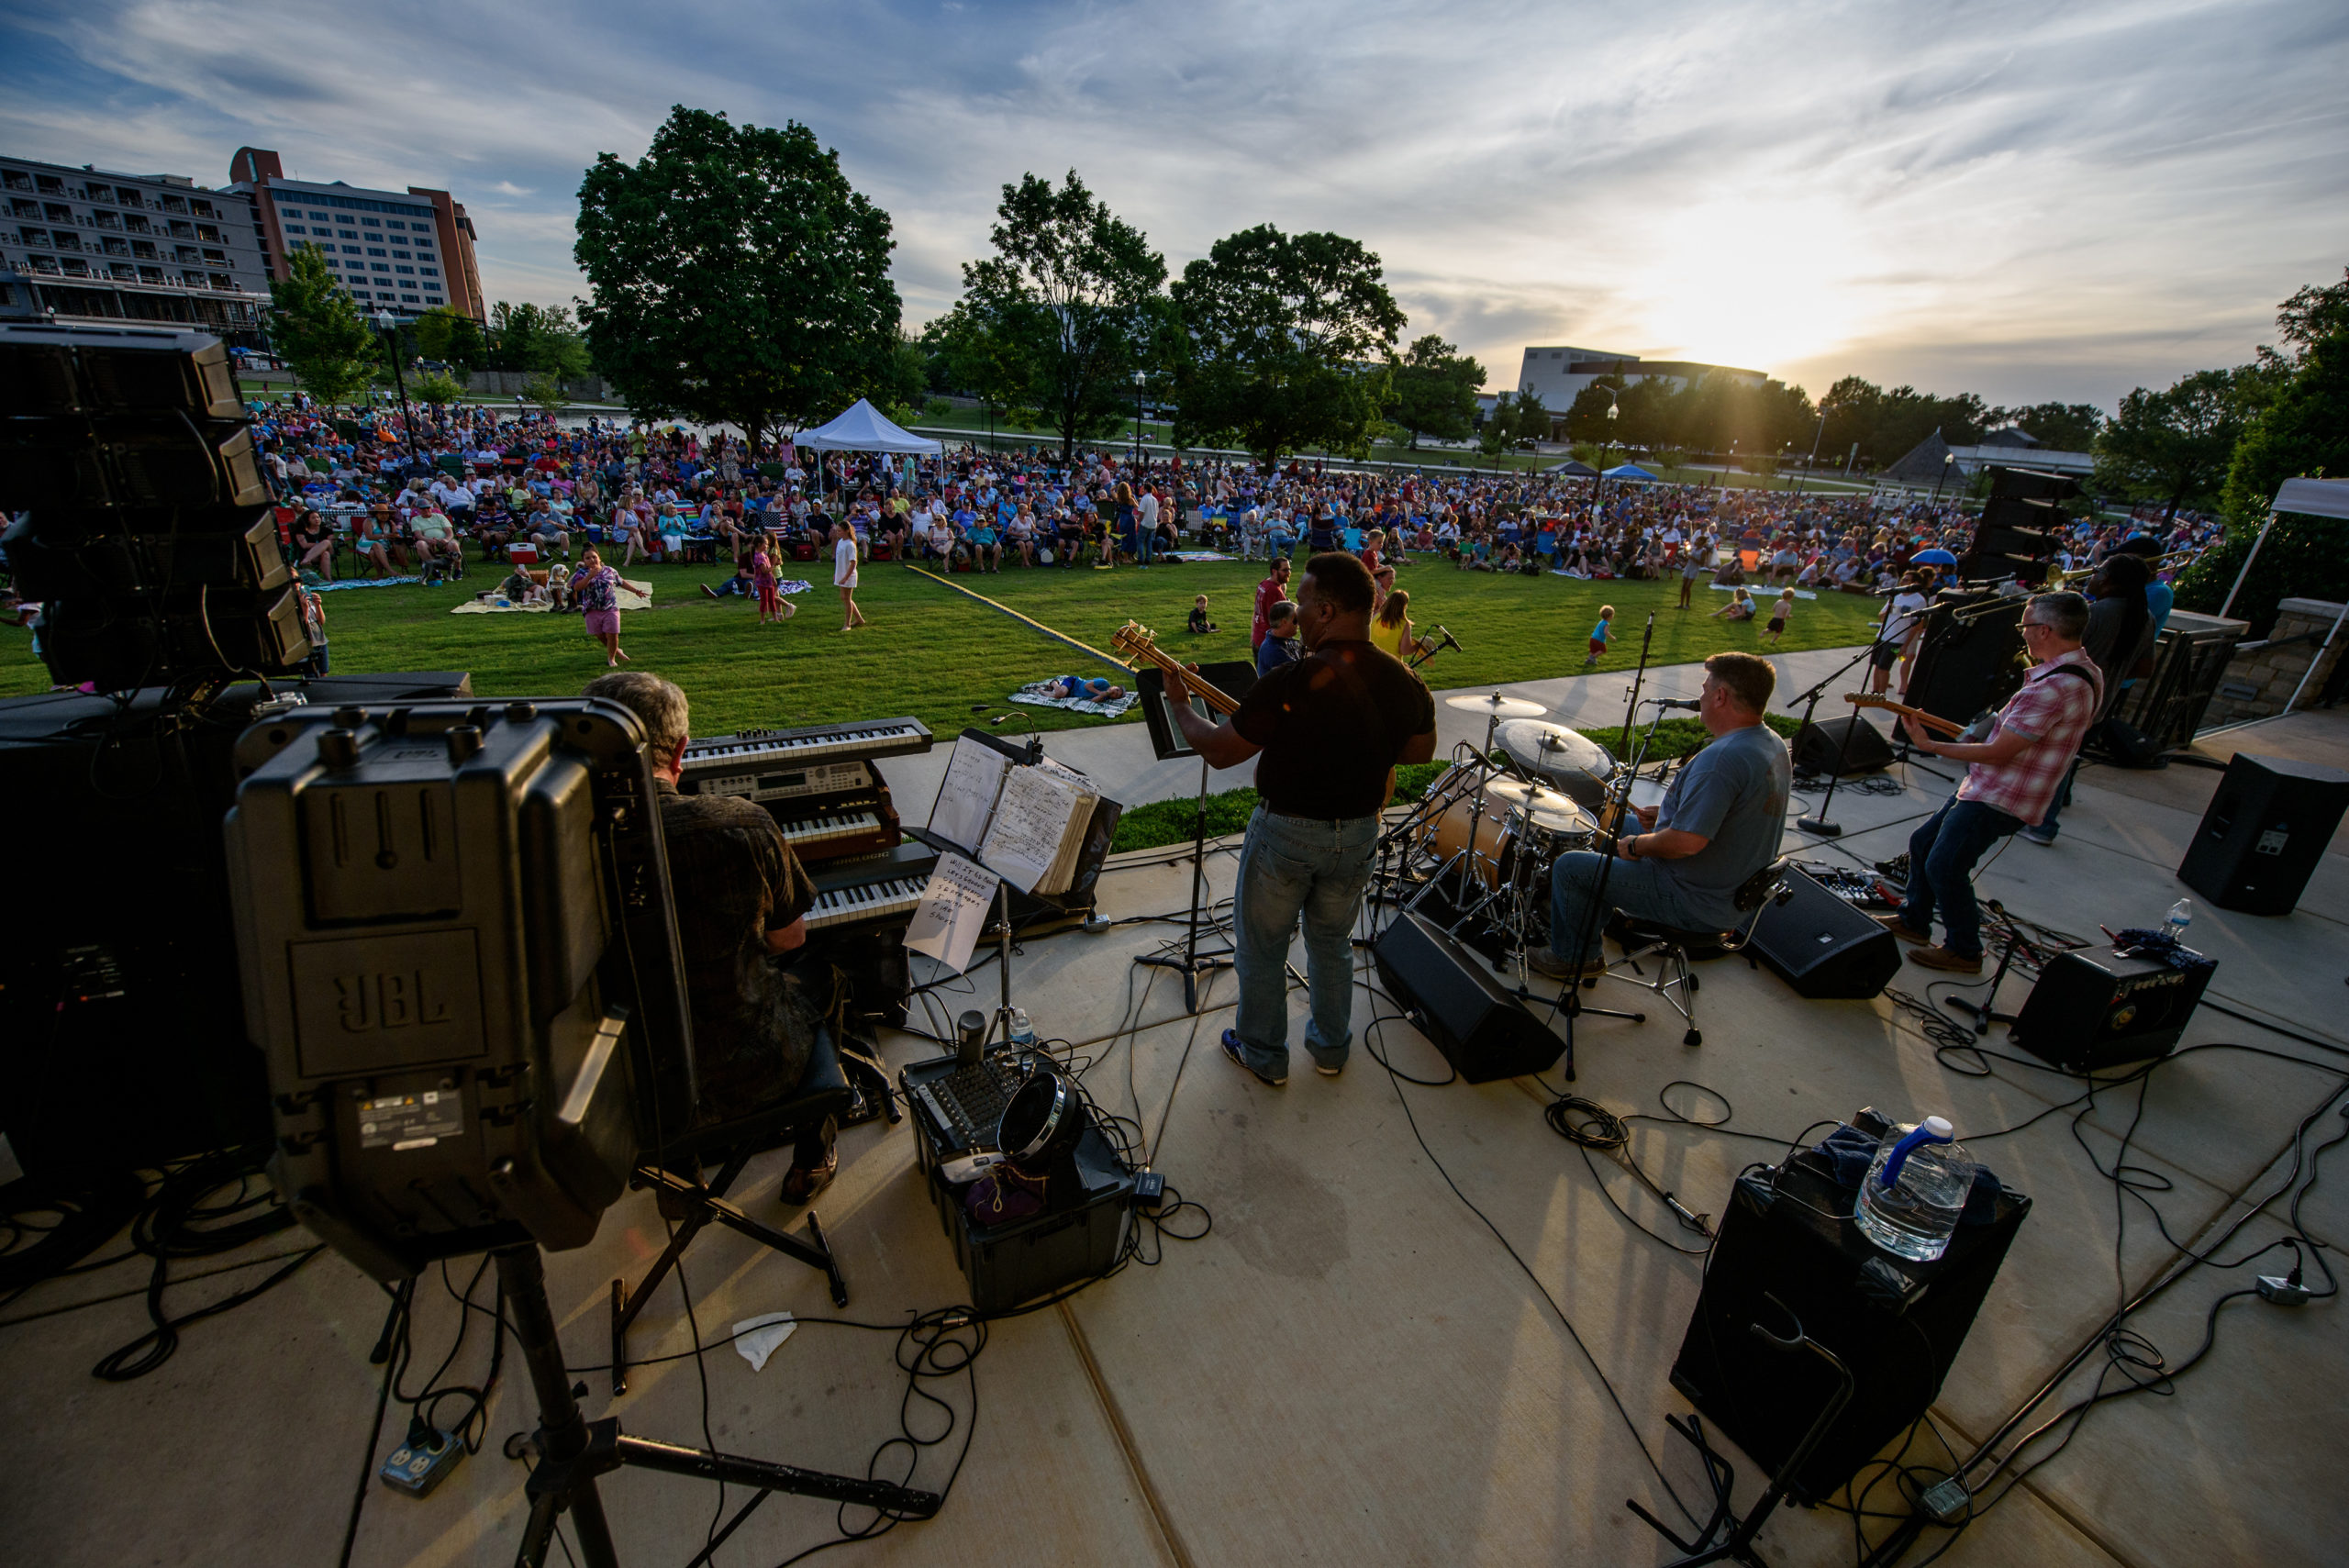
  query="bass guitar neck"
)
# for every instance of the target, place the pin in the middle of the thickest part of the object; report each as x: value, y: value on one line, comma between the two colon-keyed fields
x: 1931, y: 721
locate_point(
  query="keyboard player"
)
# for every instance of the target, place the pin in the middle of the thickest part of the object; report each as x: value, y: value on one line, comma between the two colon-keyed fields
x: 743, y: 900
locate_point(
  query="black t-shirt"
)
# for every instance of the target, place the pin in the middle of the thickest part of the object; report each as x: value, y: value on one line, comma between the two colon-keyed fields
x: 1330, y: 725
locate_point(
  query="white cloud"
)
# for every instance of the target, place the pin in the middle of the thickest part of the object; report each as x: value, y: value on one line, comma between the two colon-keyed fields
x: 2024, y: 200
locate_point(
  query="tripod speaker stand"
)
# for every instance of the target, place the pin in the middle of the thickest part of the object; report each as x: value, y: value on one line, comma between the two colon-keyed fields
x: 573, y: 1450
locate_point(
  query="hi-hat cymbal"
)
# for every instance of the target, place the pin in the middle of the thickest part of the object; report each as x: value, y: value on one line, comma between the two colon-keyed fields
x: 1564, y: 818
x: 1532, y: 797
x: 1497, y: 706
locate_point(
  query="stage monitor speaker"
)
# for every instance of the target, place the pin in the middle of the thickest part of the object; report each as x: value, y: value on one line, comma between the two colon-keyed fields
x: 1453, y: 999
x: 2096, y: 1008
x: 2264, y: 833
x: 1787, y: 1245
x: 1843, y: 746
x: 1823, y: 947
x: 1969, y: 657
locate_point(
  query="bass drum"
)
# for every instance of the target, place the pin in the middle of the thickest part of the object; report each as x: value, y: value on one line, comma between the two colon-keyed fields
x: 1452, y: 802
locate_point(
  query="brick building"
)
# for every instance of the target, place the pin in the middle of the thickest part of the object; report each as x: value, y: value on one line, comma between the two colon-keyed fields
x: 406, y: 251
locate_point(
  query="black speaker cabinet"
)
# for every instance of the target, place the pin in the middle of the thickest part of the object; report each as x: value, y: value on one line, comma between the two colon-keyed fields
x: 1823, y: 947
x: 2032, y: 484
x: 2094, y: 1008
x: 1970, y: 657
x: 1845, y: 746
x: 2264, y: 833
x: 1455, y: 1000
x: 1896, y: 1324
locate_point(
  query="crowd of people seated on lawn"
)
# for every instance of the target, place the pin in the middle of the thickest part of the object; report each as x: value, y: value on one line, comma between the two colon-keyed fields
x: 524, y: 488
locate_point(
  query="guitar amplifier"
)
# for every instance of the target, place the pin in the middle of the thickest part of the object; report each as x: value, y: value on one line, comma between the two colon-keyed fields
x: 2093, y: 1009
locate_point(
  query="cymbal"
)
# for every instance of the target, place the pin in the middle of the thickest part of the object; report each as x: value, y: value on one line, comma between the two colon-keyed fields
x: 1551, y: 749
x: 1533, y: 797
x: 1497, y: 706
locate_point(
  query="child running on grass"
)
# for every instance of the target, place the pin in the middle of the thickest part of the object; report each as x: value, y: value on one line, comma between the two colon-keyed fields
x: 1778, y: 613
x: 1599, y: 635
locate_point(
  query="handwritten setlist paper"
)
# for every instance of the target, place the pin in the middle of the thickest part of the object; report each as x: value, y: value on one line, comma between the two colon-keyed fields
x: 954, y: 908
x: 966, y: 796
x: 1023, y: 842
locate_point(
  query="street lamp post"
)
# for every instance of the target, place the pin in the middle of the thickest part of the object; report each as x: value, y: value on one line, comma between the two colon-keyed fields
x: 388, y: 327
x: 1949, y: 460
x: 1812, y: 460
x: 1139, y: 380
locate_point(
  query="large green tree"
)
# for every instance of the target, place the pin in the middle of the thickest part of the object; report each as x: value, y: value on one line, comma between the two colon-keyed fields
x: 1887, y: 423
x: 448, y: 335
x: 536, y: 339
x: 2303, y: 432
x: 2172, y: 446
x: 318, y: 330
x: 1285, y: 343
x: 737, y: 276
x: 1435, y: 390
x: 2064, y: 427
x: 1071, y: 288
x: 978, y: 361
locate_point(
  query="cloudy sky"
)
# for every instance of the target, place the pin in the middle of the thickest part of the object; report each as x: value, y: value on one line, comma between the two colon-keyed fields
x: 2029, y: 200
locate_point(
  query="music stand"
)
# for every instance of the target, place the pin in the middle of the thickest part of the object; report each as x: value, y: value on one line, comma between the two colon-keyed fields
x: 1233, y: 678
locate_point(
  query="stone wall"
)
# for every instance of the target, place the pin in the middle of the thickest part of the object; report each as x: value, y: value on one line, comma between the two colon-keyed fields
x: 2261, y: 677
x: 510, y: 384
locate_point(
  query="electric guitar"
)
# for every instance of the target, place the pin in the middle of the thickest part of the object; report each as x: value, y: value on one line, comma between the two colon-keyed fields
x: 1931, y: 721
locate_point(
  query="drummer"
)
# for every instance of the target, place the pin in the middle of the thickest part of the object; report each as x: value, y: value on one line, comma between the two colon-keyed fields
x: 1720, y: 823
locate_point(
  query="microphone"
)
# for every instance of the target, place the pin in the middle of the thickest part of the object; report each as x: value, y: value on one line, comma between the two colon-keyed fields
x: 1676, y: 702
x: 1451, y: 641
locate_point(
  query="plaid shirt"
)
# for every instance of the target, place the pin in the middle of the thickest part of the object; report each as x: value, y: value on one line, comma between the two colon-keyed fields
x: 2056, y: 714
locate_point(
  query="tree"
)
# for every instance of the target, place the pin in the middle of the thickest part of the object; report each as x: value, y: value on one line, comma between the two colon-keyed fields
x: 544, y: 392
x: 1532, y: 421
x: 2304, y: 430
x: 1071, y: 288
x: 536, y: 340
x: 437, y: 389
x: 905, y: 379
x: 448, y: 335
x: 976, y: 359
x: 1888, y: 424
x: 2066, y: 427
x: 1284, y: 342
x: 737, y: 276
x: 2174, y: 446
x: 318, y: 330
x: 1435, y: 390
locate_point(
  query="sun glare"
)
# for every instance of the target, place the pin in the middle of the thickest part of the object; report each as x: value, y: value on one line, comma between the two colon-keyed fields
x: 1752, y: 283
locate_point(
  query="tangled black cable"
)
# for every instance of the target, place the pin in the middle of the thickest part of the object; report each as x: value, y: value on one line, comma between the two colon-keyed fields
x: 1589, y: 1127
x: 180, y: 1222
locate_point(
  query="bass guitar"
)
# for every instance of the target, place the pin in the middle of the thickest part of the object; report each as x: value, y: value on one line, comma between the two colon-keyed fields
x: 1136, y: 640
x: 1931, y: 721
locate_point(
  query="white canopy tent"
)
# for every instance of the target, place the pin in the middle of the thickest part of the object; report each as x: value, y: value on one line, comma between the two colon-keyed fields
x: 865, y: 429
x: 2308, y: 498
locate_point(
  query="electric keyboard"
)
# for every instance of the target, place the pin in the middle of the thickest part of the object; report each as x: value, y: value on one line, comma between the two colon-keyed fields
x: 876, y: 889
x: 757, y: 750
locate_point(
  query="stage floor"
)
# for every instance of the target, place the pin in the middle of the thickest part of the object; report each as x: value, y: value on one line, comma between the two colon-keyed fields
x: 1352, y: 1369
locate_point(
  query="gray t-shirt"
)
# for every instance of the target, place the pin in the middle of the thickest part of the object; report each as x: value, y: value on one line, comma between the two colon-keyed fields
x: 1735, y: 793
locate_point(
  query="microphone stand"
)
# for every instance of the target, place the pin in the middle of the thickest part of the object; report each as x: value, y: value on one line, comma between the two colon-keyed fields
x: 1569, y: 998
x: 1822, y: 825
x: 1630, y: 705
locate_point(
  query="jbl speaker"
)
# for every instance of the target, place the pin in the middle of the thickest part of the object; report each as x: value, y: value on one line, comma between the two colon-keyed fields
x: 1823, y: 947
x: 2093, y: 1009
x: 2267, y: 828
x: 1790, y: 1259
x: 1455, y: 1000
x: 1840, y: 746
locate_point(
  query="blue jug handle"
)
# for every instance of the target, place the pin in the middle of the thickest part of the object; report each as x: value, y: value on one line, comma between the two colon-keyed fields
x: 1902, y: 1149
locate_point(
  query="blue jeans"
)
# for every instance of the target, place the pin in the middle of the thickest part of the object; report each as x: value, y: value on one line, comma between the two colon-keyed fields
x: 1143, y: 538
x: 1291, y: 867
x: 2062, y: 798
x: 1640, y: 888
x: 1940, y: 870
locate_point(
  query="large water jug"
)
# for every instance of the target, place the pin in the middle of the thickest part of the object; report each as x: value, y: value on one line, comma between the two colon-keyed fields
x: 1915, y: 1190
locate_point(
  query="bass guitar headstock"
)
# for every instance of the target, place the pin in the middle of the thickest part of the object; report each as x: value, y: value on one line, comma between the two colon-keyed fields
x: 1134, y: 640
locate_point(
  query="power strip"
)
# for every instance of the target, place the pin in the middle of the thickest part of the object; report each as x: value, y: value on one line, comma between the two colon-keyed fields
x: 414, y: 1469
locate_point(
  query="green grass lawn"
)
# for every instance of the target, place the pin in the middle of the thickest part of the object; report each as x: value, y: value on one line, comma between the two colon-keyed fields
x: 932, y: 652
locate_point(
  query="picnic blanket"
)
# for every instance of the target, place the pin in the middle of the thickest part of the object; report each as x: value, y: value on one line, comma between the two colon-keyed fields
x: 632, y: 595
x: 1197, y: 555
x: 310, y: 578
x: 1032, y: 693
x: 1761, y: 596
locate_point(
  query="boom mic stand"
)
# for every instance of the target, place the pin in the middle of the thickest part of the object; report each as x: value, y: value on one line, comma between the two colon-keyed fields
x: 1822, y: 825
x: 573, y: 1450
x: 1631, y: 704
x: 1193, y: 963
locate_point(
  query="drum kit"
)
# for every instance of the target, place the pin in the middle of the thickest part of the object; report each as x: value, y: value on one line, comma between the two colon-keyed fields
x: 1490, y: 827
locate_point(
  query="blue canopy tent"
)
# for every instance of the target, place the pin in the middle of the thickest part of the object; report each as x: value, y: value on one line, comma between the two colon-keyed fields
x: 1631, y: 470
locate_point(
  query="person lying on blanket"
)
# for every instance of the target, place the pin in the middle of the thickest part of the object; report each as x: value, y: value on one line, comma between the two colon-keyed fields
x: 1080, y: 688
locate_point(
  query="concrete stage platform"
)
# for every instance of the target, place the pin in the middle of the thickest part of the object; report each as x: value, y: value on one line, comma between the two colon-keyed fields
x: 1353, y: 1368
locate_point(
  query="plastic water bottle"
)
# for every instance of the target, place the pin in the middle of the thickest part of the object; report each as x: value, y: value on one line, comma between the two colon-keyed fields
x: 1915, y: 1190
x: 2181, y: 915
x: 1023, y: 1033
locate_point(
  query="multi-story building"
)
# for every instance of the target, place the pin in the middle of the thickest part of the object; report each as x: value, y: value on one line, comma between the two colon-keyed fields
x: 1558, y: 375
x: 406, y: 251
x: 88, y: 245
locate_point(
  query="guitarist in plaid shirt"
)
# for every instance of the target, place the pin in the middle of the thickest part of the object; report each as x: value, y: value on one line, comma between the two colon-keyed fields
x: 2011, y: 780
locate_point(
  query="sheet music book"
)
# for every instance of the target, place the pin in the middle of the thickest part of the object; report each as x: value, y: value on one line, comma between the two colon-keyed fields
x: 1025, y: 822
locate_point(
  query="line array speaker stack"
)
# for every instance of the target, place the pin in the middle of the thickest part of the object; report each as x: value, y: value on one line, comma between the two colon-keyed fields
x: 1824, y: 948
x: 2264, y: 833
x: 1970, y: 656
x: 148, y: 541
x: 1454, y: 999
x: 2016, y: 537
